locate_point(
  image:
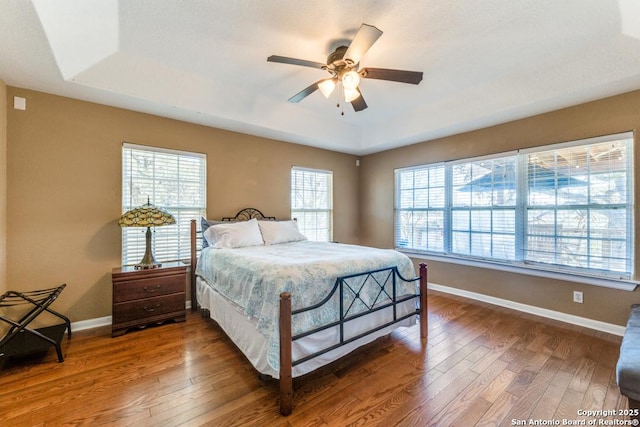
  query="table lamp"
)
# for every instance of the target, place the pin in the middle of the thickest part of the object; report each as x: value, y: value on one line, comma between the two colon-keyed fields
x: 148, y: 216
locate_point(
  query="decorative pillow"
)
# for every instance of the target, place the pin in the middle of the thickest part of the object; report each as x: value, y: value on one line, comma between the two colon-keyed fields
x: 206, y: 223
x: 274, y: 232
x: 234, y: 234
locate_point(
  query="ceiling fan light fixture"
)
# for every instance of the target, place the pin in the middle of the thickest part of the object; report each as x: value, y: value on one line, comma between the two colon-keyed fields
x: 343, y: 66
x: 326, y: 87
x: 351, y: 94
x: 350, y: 80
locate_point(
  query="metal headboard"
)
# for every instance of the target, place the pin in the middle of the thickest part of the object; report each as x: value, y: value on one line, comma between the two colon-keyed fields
x: 243, y: 215
x: 248, y: 213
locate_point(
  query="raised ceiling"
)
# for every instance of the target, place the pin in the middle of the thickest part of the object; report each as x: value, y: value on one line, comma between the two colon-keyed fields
x: 484, y: 62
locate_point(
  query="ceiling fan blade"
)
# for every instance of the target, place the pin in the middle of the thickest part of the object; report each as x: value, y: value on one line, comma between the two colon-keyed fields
x: 295, y: 61
x: 359, y: 103
x: 305, y: 92
x: 402, y: 76
x: 364, y: 39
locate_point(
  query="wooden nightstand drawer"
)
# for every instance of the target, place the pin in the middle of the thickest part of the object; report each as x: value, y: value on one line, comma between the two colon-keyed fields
x: 141, y: 297
x: 147, y: 288
x: 148, y: 307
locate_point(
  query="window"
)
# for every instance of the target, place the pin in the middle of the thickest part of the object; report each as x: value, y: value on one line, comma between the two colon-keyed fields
x: 420, y: 208
x: 483, y: 208
x: 173, y: 180
x: 579, y: 207
x: 567, y: 207
x: 311, y: 202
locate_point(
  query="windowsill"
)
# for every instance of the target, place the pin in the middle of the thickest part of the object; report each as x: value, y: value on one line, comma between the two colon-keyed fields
x: 624, y: 285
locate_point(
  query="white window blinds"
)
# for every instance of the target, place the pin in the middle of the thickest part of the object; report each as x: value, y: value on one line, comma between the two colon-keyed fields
x: 170, y: 179
x: 420, y: 208
x: 312, y: 202
x: 565, y: 208
x: 483, y: 208
x: 579, y: 207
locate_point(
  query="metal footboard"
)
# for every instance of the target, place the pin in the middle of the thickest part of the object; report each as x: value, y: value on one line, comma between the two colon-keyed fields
x: 350, y: 294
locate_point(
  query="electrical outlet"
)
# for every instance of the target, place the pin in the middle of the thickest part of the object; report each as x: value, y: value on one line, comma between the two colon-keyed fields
x: 577, y: 297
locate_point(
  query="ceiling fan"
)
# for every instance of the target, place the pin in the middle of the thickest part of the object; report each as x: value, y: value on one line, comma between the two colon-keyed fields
x: 343, y: 65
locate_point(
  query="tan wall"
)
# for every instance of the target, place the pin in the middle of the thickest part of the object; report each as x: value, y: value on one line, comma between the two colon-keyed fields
x: 3, y: 187
x: 64, y: 189
x: 612, y: 115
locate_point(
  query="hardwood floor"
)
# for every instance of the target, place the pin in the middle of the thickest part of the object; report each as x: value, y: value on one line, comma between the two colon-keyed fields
x: 481, y: 365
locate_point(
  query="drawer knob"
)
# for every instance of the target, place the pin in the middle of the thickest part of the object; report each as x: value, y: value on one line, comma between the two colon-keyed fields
x: 157, y: 288
x: 150, y: 309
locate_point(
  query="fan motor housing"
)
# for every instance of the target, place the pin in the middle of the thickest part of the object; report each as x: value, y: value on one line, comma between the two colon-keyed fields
x: 335, y: 58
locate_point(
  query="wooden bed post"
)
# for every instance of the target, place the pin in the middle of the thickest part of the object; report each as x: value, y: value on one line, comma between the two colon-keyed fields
x: 286, y: 380
x: 192, y: 267
x: 424, y: 313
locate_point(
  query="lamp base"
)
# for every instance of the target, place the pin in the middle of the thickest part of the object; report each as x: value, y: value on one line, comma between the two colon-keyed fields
x: 148, y: 261
x: 147, y: 266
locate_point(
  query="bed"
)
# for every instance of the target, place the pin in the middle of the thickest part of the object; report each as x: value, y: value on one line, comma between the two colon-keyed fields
x: 292, y: 305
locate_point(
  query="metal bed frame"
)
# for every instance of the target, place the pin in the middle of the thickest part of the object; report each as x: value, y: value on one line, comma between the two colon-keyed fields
x: 348, y: 289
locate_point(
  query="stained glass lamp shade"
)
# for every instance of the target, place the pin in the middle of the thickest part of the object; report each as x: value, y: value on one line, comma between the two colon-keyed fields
x: 148, y: 216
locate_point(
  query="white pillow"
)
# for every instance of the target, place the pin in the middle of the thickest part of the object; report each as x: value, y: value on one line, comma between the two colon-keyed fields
x: 234, y: 235
x: 280, y: 232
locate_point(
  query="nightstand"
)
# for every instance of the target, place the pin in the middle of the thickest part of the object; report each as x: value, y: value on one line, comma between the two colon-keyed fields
x: 142, y: 297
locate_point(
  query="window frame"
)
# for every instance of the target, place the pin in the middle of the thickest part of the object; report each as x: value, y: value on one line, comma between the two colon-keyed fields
x: 170, y: 243
x: 478, y: 208
x: 431, y: 208
x: 614, y: 279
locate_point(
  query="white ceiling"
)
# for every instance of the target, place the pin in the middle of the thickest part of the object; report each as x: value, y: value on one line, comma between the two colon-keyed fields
x: 484, y: 62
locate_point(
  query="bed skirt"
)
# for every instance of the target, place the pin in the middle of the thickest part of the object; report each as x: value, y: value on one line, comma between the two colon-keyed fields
x: 242, y: 331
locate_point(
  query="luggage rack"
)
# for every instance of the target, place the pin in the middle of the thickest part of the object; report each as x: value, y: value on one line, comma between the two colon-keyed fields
x: 20, y: 340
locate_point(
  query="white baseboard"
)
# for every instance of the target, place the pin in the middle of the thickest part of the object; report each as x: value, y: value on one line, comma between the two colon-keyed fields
x: 543, y: 312
x: 91, y: 323
x: 100, y: 321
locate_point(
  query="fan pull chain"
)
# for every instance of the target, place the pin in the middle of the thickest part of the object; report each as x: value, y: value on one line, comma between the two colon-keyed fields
x: 338, y: 105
